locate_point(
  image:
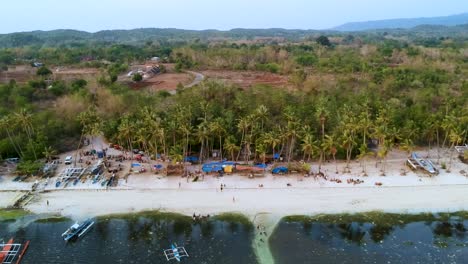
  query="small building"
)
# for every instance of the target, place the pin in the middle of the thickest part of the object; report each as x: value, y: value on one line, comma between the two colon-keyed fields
x: 37, y: 64
x: 155, y: 59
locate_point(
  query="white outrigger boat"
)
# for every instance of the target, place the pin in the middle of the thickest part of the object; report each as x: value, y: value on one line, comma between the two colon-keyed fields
x: 415, y: 161
x: 175, y: 252
x: 77, y: 230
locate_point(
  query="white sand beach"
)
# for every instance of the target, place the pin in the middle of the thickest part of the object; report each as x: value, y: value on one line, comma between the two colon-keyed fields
x: 80, y: 204
x: 400, y: 190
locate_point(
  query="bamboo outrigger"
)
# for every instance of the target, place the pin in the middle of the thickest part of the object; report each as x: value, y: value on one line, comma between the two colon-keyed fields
x: 11, y: 252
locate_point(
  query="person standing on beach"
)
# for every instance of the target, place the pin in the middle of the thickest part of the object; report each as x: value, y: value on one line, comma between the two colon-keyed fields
x: 233, y: 199
x: 47, y: 202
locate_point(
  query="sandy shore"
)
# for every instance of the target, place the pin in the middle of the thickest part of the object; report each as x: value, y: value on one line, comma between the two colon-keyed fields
x: 400, y: 190
x: 80, y: 204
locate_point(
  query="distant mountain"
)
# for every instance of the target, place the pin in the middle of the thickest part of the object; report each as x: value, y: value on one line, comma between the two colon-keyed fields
x: 404, y: 23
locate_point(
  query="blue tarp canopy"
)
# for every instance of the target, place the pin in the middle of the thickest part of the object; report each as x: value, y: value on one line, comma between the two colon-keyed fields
x: 192, y: 159
x: 279, y: 170
x: 216, y: 166
x: 261, y: 165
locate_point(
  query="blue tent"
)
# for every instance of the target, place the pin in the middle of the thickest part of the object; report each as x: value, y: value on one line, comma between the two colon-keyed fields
x: 279, y: 170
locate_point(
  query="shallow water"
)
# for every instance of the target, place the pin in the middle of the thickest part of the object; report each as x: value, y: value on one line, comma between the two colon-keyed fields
x: 137, y: 240
x: 141, y: 238
x: 426, y: 241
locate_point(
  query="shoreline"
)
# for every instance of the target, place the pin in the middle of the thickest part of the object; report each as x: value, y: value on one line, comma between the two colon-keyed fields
x: 82, y: 204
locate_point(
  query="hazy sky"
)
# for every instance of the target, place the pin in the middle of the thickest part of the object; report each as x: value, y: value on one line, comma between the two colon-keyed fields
x: 95, y: 15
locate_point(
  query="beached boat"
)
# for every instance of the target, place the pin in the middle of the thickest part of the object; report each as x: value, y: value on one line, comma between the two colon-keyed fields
x: 424, y: 163
x: 77, y: 230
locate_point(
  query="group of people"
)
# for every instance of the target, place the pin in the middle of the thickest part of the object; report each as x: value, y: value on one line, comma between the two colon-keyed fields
x: 262, y: 231
x: 200, y: 217
x: 354, y: 182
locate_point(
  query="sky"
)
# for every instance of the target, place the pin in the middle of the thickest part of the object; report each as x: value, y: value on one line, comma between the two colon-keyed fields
x: 95, y: 15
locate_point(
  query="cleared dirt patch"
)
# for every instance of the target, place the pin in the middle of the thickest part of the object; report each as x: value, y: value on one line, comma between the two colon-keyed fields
x: 21, y: 74
x: 165, y: 81
x: 246, y: 79
x: 24, y: 73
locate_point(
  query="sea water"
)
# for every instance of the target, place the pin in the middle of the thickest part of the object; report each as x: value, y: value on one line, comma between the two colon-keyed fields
x: 141, y: 238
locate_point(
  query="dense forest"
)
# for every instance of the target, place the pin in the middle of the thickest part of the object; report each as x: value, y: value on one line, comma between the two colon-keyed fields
x: 352, y: 94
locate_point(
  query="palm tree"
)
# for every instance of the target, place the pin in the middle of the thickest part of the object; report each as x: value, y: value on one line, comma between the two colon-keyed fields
x: 382, y: 154
x: 48, y: 153
x: 348, y: 143
x: 231, y: 147
x: 330, y: 145
x: 217, y: 128
x: 261, y: 113
x: 363, y: 154
x: 203, y: 134
x: 6, y: 123
x: 125, y: 133
x: 271, y: 139
x: 407, y: 145
x: 291, y: 131
x: 307, y: 146
x: 24, y: 118
x: 242, y: 125
x: 456, y: 136
x: 365, y: 125
x: 260, y: 149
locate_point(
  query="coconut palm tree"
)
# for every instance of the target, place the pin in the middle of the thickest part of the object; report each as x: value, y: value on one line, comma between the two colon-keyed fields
x: 217, y: 129
x: 24, y: 119
x: 231, y: 147
x: 363, y: 154
x: 348, y: 142
x: 261, y: 113
x: 407, y: 145
x: 291, y: 130
x: 48, y: 153
x: 125, y: 133
x: 203, y: 134
x: 331, y: 146
x: 455, y: 137
x: 365, y: 124
x: 242, y: 126
x: 308, y: 146
x: 6, y: 123
x: 260, y: 150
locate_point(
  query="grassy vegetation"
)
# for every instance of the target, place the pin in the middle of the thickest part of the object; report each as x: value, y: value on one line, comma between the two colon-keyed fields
x: 375, y: 217
x: 155, y: 215
x: 11, y: 215
x: 54, y: 219
x: 234, y: 218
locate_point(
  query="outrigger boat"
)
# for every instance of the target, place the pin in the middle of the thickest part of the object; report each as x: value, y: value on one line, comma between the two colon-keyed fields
x: 175, y: 252
x: 416, y: 161
x: 77, y: 230
x: 10, y: 252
